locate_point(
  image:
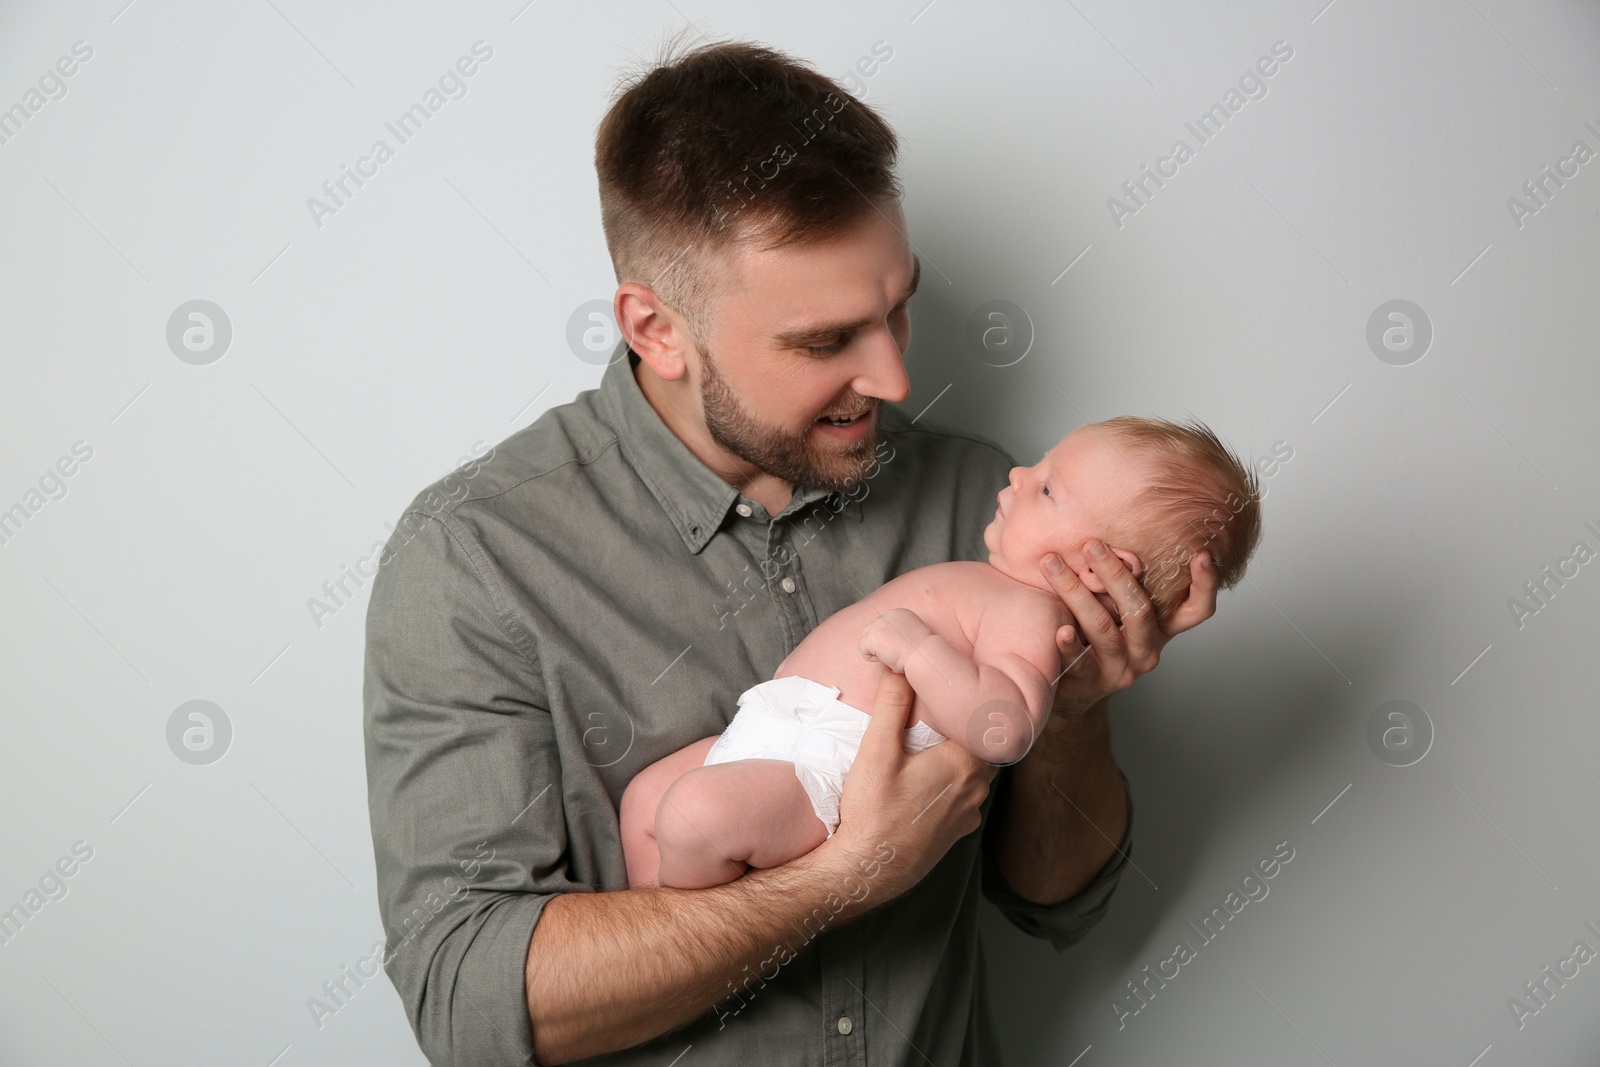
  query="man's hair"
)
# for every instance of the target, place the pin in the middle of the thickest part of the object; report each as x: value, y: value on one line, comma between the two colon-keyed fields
x: 1197, y: 497
x: 731, y: 143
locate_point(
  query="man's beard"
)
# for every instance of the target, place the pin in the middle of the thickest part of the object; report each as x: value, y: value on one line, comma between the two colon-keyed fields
x: 794, y: 458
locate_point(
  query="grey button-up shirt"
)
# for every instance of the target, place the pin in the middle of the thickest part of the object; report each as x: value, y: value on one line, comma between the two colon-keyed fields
x: 586, y: 599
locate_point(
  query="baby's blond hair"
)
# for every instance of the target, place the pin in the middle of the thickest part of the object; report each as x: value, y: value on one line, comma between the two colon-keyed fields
x: 1198, y: 496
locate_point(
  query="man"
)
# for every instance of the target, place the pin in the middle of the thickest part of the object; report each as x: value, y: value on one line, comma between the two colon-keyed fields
x: 623, y: 568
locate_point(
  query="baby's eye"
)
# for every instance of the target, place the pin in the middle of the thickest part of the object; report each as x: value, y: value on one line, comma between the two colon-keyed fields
x: 1046, y: 490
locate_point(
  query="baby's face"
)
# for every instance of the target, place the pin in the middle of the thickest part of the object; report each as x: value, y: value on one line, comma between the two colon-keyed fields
x: 1079, y: 490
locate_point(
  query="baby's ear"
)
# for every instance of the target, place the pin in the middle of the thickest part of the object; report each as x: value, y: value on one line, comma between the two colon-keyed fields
x: 1089, y: 578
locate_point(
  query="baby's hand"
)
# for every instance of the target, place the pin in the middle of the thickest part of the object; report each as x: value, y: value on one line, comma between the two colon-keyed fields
x: 892, y: 637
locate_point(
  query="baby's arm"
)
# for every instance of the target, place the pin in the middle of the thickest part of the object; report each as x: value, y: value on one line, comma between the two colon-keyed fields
x: 994, y: 701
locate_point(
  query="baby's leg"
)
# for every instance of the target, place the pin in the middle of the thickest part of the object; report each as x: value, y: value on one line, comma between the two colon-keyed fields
x: 717, y: 822
x: 636, y: 815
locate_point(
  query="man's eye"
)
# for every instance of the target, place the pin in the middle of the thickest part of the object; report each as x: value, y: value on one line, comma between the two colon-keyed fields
x: 827, y: 350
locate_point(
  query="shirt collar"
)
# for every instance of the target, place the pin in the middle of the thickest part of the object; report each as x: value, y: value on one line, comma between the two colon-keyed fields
x: 694, y: 497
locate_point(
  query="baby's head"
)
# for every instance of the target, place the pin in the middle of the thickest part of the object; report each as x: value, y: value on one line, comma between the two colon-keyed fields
x: 1156, y: 492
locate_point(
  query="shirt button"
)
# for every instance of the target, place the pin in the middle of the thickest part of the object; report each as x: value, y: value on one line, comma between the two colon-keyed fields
x: 845, y: 1025
x: 743, y: 509
x: 789, y: 587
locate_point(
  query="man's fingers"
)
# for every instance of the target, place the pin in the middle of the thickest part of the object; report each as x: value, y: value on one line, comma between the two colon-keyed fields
x: 1071, y: 647
x: 1201, y: 603
x: 1134, y: 607
x: 1075, y: 655
x: 1080, y: 600
x: 1091, y: 616
x: 889, y: 714
x: 1068, y: 645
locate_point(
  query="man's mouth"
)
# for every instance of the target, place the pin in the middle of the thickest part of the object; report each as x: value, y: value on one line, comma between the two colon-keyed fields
x: 846, y: 420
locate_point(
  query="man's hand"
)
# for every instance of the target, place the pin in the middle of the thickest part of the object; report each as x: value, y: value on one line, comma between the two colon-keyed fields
x: 900, y: 814
x: 892, y: 637
x: 1117, y: 654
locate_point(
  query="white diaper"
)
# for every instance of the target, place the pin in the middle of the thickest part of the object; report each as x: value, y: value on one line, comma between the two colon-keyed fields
x: 805, y: 723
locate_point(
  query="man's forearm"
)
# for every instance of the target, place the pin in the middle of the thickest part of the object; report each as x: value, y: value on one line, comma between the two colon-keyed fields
x: 1065, y: 810
x: 607, y: 971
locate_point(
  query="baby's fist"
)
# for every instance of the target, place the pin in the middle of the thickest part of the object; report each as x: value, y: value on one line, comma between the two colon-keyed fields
x: 890, y: 638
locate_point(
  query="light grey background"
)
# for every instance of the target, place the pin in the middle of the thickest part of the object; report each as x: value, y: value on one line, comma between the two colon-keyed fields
x: 369, y: 354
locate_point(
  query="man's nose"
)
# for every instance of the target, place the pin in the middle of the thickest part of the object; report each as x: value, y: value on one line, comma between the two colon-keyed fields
x: 885, y: 374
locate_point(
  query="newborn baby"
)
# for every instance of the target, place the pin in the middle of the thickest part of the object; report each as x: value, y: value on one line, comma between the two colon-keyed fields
x: 976, y: 641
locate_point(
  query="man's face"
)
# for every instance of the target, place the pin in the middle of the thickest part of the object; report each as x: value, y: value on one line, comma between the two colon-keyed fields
x: 808, y: 332
x: 1081, y: 489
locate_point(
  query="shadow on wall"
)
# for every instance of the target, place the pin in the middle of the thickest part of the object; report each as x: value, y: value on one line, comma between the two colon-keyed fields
x: 1197, y: 751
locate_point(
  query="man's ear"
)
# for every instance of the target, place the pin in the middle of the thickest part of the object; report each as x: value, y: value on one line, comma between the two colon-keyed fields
x: 652, y: 329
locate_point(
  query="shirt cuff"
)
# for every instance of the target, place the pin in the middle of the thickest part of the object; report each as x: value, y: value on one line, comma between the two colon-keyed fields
x: 475, y: 1011
x: 1063, y: 924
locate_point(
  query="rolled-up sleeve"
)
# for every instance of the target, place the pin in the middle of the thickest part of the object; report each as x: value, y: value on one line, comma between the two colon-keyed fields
x: 1063, y: 924
x: 464, y: 791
